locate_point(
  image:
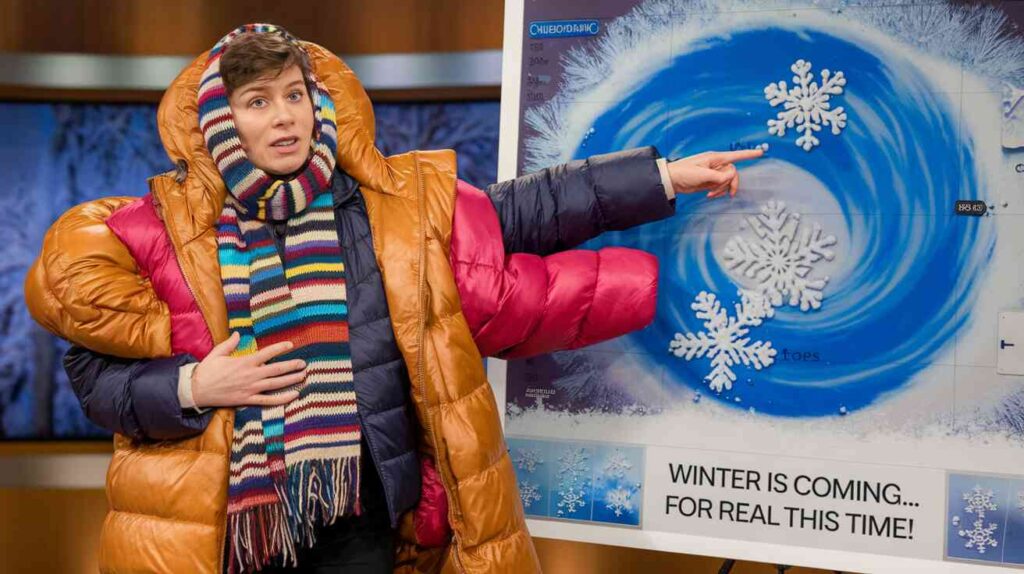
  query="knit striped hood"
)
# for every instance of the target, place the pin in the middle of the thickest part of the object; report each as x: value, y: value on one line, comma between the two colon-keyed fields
x: 178, y: 122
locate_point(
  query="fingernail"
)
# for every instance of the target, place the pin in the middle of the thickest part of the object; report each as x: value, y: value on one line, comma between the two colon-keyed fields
x: 302, y: 364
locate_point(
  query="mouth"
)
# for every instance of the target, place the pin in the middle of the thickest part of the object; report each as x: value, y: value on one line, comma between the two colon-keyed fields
x: 285, y: 145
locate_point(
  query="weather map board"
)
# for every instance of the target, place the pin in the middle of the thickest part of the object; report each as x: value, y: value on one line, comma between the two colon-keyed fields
x: 835, y: 373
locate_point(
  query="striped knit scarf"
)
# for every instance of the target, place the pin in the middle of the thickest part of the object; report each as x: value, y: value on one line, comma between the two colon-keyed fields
x: 296, y: 466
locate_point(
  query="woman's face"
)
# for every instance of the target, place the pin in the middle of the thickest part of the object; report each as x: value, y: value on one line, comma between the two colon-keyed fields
x: 274, y: 118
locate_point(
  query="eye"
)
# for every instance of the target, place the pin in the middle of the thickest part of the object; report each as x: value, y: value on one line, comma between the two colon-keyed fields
x: 257, y: 103
x: 296, y: 96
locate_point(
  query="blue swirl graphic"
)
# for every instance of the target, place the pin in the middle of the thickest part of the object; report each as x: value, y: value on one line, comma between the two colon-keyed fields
x: 907, y: 271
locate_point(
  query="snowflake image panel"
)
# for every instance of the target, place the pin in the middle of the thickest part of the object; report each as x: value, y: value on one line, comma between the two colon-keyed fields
x: 533, y: 464
x: 572, y: 486
x: 618, y: 485
x: 580, y: 481
x: 976, y: 521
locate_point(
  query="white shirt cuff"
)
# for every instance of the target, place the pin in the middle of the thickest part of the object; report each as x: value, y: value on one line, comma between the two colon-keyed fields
x: 185, y: 388
x: 666, y: 179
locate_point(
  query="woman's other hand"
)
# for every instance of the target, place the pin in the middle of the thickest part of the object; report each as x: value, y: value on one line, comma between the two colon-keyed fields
x: 221, y: 380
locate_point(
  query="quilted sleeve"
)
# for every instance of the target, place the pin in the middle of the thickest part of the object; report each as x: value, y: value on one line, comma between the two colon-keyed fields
x: 86, y: 287
x: 521, y: 304
x: 134, y: 397
x: 563, y: 206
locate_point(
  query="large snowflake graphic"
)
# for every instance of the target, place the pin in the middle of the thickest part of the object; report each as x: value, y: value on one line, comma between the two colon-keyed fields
x: 806, y: 105
x: 724, y: 338
x: 782, y: 257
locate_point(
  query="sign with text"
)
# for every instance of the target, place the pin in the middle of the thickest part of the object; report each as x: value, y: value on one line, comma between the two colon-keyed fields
x: 822, y: 504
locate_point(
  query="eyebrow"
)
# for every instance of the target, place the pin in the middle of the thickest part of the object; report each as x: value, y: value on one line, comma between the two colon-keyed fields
x: 260, y: 87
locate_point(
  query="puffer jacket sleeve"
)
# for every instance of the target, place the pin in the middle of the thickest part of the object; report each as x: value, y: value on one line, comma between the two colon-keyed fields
x: 561, y: 207
x: 522, y: 304
x: 134, y: 397
x: 86, y: 287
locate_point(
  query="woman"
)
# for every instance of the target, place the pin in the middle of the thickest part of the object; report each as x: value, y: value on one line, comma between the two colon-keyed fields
x: 286, y: 333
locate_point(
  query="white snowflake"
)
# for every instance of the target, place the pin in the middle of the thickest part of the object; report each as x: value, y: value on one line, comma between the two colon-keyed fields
x: 980, y: 537
x: 529, y: 492
x: 574, y: 464
x: 979, y: 501
x: 782, y: 257
x: 528, y: 459
x: 570, y: 500
x: 724, y: 339
x: 619, y: 500
x: 806, y: 105
x: 1020, y: 501
x: 617, y: 465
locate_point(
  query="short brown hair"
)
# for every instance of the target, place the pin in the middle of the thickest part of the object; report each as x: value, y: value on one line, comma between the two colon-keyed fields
x: 252, y: 56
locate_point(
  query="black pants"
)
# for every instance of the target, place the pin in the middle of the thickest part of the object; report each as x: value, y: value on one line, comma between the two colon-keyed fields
x: 363, y: 544
x: 350, y: 546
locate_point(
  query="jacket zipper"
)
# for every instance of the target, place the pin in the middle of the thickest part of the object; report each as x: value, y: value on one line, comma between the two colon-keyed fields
x: 453, y: 503
x: 177, y: 243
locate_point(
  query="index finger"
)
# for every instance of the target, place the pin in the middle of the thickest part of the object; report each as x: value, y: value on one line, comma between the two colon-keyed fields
x: 263, y: 355
x: 738, y: 155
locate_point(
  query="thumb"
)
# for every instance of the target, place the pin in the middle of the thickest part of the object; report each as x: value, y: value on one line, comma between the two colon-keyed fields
x: 227, y: 346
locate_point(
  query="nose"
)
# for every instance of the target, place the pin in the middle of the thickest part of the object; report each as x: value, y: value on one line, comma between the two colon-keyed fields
x: 283, y: 115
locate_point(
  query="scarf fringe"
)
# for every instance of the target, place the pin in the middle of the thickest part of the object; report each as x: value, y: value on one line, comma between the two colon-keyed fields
x: 258, y: 536
x: 320, y: 492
